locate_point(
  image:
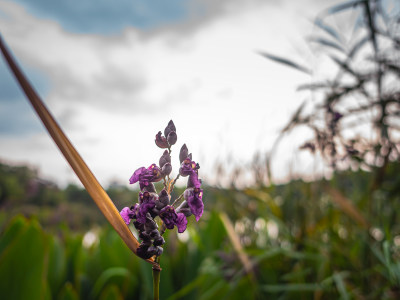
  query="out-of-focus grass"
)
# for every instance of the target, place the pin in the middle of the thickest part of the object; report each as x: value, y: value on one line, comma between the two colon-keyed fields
x: 293, y: 241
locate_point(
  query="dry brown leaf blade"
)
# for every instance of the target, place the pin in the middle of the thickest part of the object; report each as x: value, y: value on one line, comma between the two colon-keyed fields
x: 95, y: 190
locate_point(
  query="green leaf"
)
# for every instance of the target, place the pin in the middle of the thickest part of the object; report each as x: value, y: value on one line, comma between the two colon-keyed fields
x: 105, y: 277
x: 68, y: 293
x: 22, y: 265
x: 292, y: 287
x: 111, y: 293
x: 340, y: 284
x: 56, y: 270
x: 17, y: 225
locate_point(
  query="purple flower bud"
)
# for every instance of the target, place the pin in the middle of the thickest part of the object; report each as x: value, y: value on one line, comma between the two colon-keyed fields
x: 145, y: 237
x: 148, y: 188
x: 171, y: 218
x: 161, y: 141
x: 163, y: 199
x: 139, y: 226
x: 159, y: 241
x: 166, y: 169
x: 155, y: 250
x: 165, y: 158
x: 170, y: 127
x: 183, y: 154
x: 142, y: 251
x: 147, y: 203
x: 188, y: 167
x: 184, y: 208
x: 194, y: 198
x: 172, y: 138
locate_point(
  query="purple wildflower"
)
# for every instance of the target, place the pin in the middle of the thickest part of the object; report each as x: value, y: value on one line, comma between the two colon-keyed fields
x: 146, y: 176
x: 188, y: 167
x: 194, y: 198
x: 171, y: 218
x: 150, y: 204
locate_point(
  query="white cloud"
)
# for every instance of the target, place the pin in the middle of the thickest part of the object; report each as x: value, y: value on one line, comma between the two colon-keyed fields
x: 112, y: 94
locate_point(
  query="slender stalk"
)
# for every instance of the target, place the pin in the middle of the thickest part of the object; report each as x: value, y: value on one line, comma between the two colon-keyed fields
x: 156, y: 280
x: 177, y: 200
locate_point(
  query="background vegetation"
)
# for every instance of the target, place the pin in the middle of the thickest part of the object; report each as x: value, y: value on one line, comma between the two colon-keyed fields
x: 301, y: 240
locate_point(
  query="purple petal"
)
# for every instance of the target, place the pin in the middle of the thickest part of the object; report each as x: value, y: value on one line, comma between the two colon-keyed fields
x: 161, y: 141
x: 144, y: 208
x: 194, y: 198
x: 125, y: 215
x: 194, y: 181
x: 135, y: 177
x: 181, y: 223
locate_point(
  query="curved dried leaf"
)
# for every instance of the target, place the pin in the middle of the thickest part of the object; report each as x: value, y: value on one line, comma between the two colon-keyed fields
x: 344, y: 66
x: 325, y: 42
x: 343, y: 6
x: 295, y: 120
x: 328, y: 29
x: 314, y: 86
x: 357, y: 46
x: 286, y: 62
x: 244, y: 259
x: 76, y: 162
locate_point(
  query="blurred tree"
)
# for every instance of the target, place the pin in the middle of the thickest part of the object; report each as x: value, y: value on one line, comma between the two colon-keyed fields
x: 357, y: 121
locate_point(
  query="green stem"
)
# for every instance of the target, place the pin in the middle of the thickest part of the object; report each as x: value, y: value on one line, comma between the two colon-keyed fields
x: 156, y: 281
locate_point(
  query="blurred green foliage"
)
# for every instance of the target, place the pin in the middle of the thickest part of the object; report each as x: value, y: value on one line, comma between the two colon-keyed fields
x: 329, y: 239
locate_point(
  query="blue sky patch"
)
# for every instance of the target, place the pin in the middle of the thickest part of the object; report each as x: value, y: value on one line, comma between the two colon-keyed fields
x: 17, y: 117
x: 107, y: 17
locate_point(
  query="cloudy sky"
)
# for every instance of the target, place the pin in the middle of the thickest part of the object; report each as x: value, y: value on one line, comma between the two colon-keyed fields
x: 115, y: 72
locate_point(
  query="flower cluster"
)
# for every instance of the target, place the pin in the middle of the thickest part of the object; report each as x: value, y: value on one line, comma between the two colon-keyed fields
x: 152, y: 204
